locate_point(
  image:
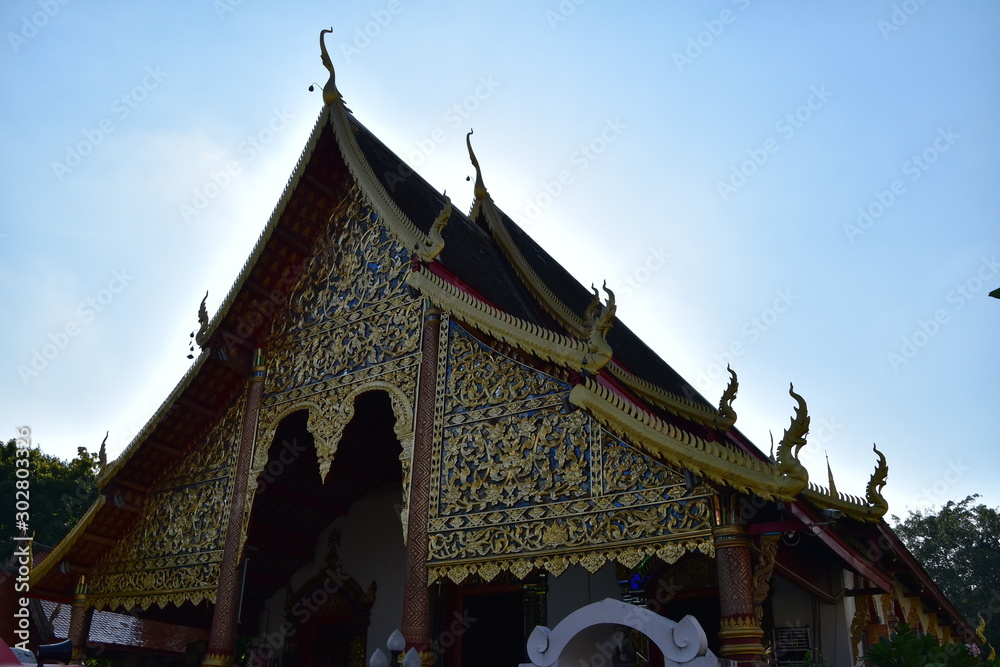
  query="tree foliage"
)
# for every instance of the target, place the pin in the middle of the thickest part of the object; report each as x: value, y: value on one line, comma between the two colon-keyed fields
x: 908, y: 649
x: 59, y: 492
x: 959, y: 546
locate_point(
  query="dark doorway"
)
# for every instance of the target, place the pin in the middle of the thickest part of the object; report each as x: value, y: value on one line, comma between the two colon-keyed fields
x: 495, y: 638
x: 331, y: 644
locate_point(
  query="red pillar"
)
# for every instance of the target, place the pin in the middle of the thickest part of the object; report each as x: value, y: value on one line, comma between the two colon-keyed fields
x: 222, y: 637
x: 740, y: 633
x: 416, y: 598
x: 79, y: 622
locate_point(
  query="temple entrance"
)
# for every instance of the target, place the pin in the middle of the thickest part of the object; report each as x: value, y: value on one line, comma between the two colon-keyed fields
x: 321, y: 574
x: 473, y: 617
x: 487, y: 616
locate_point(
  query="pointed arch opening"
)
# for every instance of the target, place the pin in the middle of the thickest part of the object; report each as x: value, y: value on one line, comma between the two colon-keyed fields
x: 307, y: 537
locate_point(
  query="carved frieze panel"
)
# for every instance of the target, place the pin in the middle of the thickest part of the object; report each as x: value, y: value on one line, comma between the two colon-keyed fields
x: 521, y: 481
x: 368, y: 337
x: 173, y: 551
x: 350, y: 325
x: 357, y: 263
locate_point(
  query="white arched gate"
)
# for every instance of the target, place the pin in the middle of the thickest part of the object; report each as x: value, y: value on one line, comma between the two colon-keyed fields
x: 586, y: 637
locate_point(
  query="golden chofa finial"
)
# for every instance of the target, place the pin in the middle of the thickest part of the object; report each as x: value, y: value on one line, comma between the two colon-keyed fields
x: 480, y: 190
x: 794, y: 440
x: 726, y: 412
x: 599, y: 321
x: 202, y: 336
x: 330, y: 92
x: 873, y: 494
x: 431, y: 248
x: 981, y: 633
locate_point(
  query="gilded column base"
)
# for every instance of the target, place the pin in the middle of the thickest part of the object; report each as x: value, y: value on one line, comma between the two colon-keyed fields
x: 741, y: 639
x: 217, y: 660
x: 730, y: 536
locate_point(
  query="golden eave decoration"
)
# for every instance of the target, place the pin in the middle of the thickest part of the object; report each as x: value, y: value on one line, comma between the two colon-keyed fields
x: 720, y: 463
x: 431, y: 248
x: 870, y: 508
x: 539, y: 341
x: 576, y: 325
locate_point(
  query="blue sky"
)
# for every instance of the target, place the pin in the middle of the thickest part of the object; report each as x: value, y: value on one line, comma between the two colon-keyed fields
x: 806, y: 191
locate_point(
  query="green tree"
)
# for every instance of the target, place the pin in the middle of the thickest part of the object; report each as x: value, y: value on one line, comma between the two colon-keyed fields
x: 959, y: 546
x: 59, y: 492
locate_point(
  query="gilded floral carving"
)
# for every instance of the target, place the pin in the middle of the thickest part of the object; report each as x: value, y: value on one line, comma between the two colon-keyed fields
x: 172, y: 552
x: 522, y: 482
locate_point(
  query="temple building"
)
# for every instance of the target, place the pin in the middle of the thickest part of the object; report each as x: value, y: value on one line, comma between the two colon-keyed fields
x: 408, y: 418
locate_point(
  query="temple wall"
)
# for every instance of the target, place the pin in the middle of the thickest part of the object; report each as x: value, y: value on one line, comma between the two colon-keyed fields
x: 373, y: 550
x: 577, y: 588
x: 829, y: 624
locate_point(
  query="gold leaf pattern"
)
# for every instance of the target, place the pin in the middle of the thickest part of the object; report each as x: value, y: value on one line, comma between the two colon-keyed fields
x: 173, y: 551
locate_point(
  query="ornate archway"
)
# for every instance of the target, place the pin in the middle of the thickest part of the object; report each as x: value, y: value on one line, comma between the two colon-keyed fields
x: 591, y: 631
x: 292, y: 507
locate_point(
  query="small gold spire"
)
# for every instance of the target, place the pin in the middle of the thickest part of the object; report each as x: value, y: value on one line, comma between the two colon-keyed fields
x: 330, y: 92
x: 433, y: 247
x: 829, y: 474
x: 102, y: 454
x: 593, y: 308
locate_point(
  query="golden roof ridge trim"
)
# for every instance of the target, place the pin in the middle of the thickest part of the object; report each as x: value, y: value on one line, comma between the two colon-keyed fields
x: 545, y: 297
x: 227, y: 302
x: 650, y: 433
x: 397, y: 221
x: 272, y: 223
x: 668, y: 400
x: 532, y: 338
x: 565, y: 316
x: 848, y: 504
x: 152, y: 422
x: 68, y: 541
